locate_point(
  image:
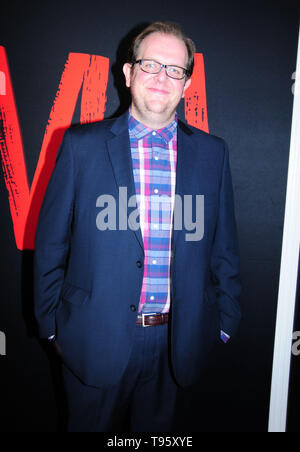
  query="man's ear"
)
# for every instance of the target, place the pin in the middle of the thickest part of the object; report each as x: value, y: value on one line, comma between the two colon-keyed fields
x: 127, y: 68
x: 186, y: 86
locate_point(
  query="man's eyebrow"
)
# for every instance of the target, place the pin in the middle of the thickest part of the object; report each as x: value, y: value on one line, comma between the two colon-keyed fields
x: 157, y: 61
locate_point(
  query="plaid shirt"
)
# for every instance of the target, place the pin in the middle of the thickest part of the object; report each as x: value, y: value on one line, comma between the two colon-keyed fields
x: 154, y: 156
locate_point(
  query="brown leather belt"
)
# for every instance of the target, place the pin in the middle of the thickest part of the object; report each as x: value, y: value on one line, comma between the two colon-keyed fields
x: 152, y: 319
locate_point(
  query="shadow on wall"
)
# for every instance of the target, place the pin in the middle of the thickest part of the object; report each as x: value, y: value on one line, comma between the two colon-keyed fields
x: 123, y: 55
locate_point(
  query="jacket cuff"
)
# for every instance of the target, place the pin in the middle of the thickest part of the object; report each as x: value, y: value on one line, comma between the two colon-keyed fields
x: 47, y: 327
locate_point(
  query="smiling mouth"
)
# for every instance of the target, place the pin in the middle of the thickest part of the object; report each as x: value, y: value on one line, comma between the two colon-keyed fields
x: 158, y: 91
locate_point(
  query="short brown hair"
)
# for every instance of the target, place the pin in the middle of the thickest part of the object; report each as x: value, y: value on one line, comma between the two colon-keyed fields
x: 169, y: 28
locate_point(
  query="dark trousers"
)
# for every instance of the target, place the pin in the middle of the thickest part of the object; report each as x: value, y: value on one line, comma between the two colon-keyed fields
x: 143, y: 401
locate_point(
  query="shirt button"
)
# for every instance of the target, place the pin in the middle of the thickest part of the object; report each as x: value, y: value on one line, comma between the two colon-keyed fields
x: 139, y: 264
x: 154, y: 133
x: 152, y: 298
x: 156, y: 190
x: 154, y: 261
x: 132, y: 308
x: 156, y: 157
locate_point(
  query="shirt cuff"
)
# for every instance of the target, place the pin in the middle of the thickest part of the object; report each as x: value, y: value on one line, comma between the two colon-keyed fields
x: 224, y: 337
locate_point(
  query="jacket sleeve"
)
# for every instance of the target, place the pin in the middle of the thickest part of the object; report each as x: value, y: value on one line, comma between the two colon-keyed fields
x: 52, y: 239
x: 225, y: 264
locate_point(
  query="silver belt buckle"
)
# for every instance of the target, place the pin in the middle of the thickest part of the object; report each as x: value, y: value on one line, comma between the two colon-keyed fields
x: 147, y: 314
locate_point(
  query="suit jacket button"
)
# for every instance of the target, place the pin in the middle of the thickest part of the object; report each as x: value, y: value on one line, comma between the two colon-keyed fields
x: 133, y: 308
x: 139, y: 264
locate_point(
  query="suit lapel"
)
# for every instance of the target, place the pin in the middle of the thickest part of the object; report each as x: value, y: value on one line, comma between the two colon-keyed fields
x: 185, y: 152
x: 120, y: 156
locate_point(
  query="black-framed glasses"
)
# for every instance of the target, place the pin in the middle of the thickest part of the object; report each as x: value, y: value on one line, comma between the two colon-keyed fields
x: 154, y: 67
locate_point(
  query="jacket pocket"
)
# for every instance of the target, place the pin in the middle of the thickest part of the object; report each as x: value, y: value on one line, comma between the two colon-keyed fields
x: 74, y: 294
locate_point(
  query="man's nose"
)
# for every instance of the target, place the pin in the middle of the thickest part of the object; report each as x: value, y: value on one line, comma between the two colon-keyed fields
x: 162, y: 75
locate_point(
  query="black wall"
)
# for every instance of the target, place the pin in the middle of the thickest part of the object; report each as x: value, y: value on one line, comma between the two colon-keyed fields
x: 250, y: 55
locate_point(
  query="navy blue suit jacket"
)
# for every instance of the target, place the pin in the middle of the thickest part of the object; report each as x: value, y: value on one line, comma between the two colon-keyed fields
x: 88, y: 282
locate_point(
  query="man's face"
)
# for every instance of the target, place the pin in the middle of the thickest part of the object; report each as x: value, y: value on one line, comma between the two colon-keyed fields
x: 155, y: 97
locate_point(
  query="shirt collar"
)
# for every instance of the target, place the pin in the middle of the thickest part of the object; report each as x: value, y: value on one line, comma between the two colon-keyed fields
x: 139, y: 130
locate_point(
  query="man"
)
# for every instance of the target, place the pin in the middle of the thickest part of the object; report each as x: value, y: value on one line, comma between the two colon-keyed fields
x: 135, y: 307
